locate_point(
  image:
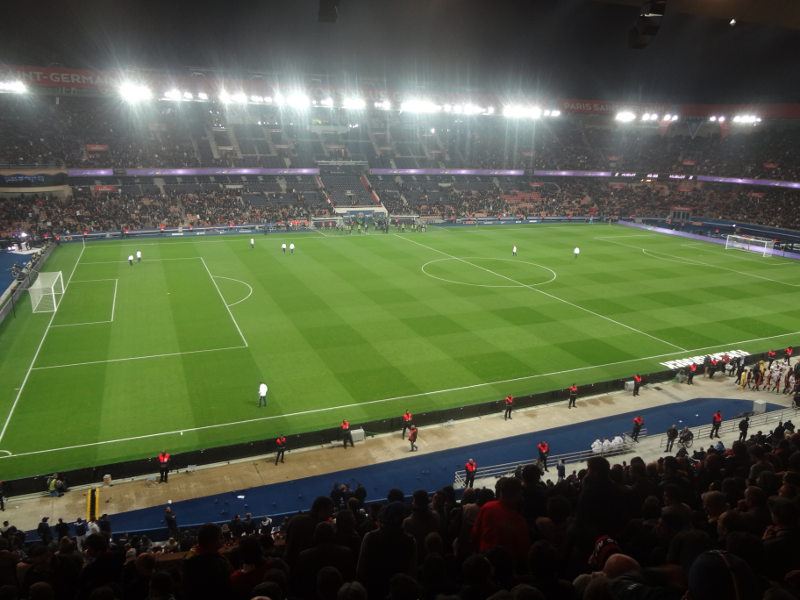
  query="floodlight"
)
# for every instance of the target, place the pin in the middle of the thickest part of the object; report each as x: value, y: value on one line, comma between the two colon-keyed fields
x: 279, y: 99
x: 225, y: 97
x: 354, y: 104
x: 326, y: 102
x: 515, y: 111
x: 188, y: 96
x: 419, y: 106
x: 625, y: 116
x: 298, y: 100
x: 674, y: 118
x: 202, y: 96
x: 490, y: 110
x: 383, y: 105
x: 172, y: 95
x: 14, y: 87
x: 134, y: 92
x: 239, y: 98
x: 721, y: 119
x: 255, y: 99
x: 471, y: 109
x: 555, y: 113
x: 450, y: 108
x: 712, y: 118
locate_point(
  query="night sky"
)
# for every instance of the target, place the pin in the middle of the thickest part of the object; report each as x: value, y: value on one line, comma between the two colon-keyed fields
x: 557, y: 48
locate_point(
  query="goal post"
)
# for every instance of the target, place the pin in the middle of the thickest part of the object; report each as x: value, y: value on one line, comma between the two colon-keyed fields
x: 749, y: 244
x: 46, y: 292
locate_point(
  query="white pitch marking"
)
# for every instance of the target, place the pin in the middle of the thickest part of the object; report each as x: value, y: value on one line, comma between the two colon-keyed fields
x: 552, y: 296
x: 693, y: 261
x: 114, y: 302
x: 250, y: 293
x: 404, y: 397
x: 38, y: 350
x: 78, y: 324
x: 422, y: 268
x: 115, y: 360
x: 116, y: 262
x: 228, y: 308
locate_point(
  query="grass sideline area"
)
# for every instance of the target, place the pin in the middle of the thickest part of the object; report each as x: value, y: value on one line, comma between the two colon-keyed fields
x: 168, y: 353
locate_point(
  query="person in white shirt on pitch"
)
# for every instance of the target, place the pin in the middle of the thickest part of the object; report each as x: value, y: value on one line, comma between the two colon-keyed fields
x: 262, y: 394
x: 291, y: 248
x: 514, y: 251
x: 252, y: 242
x: 283, y: 247
x: 130, y: 259
x: 138, y: 256
x: 577, y: 252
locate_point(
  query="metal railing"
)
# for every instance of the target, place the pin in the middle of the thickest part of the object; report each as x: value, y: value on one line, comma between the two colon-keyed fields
x: 508, y: 469
x: 732, y: 425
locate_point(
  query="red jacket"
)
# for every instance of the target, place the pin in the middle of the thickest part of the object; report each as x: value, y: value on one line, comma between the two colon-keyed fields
x: 543, y: 447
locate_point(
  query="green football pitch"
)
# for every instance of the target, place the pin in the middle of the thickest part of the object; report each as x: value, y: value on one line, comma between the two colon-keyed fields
x: 168, y: 353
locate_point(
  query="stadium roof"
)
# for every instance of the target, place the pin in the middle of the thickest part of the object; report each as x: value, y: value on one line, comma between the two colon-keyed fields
x: 567, y: 48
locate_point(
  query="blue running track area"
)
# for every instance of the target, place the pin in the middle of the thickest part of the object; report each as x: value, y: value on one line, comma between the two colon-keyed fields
x: 420, y: 471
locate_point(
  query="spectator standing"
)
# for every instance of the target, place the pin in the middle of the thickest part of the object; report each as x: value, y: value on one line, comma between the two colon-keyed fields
x: 692, y: 371
x: 280, y: 448
x: 637, y: 383
x: 206, y: 572
x: 408, y: 421
x: 44, y: 531
x: 412, y: 437
x: 744, y: 425
x: 716, y: 421
x: 470, y: 468
x: 509, y: 406
x: 544, y: 452
x: 171, y: 521
x: 672, y: 434
x: 163, y: 466
x: 62, y: 529
x: 638, y: 421
x: 573, y: 396
x: 347, y: 435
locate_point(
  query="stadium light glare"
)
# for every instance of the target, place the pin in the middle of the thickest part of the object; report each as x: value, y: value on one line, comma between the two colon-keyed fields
x: 674, y: 118
x: 13, y: 87
x: 256, y: 99
x: 239, y: 98
x: 420, y: 106
x: 625, y: 116
x: 225, y: 97
x: 383, y: 105
x: 279, y: 99
x: 354, y: 103
x: 326, y: 102
x: 721, y: 119
x: 134, y: 92
x: 471, y: 109
x: 712, y: 118
x: 188, y: 96
x: 516, y: 111
x: 202, y: 96
x: 298, y: 101
x: 555, y: 113
x: 173, y: 95
x: 489, y: 111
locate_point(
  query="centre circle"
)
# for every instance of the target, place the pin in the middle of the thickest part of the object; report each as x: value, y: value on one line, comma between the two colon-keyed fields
x: 488, y: 272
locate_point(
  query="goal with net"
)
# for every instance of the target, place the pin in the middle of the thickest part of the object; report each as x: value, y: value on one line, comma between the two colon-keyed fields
x: 46, y: 292
x: 749, y: 244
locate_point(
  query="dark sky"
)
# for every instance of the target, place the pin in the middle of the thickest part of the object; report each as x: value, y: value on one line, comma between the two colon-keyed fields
x: 561, y: 48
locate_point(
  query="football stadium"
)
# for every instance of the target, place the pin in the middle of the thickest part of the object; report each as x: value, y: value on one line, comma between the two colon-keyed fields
x: 271, y: 333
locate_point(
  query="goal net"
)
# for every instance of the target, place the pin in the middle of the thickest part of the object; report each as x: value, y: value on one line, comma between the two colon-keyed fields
x: 46, y: 292
x: 749, y: 244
